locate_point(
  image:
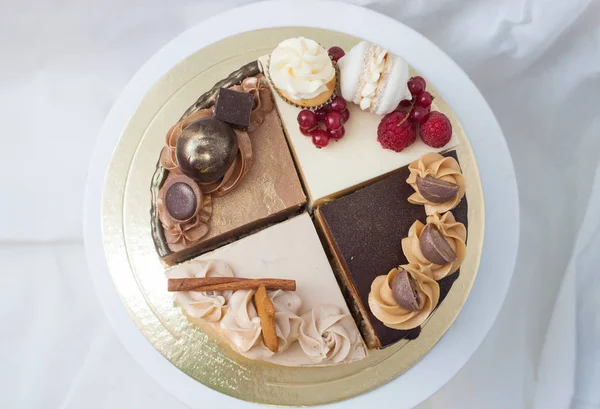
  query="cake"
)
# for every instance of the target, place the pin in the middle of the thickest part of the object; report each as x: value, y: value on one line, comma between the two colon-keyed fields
x: 269, y: 192
x: 290, y: 250
x: 311, y: 206
x: 365, y: 237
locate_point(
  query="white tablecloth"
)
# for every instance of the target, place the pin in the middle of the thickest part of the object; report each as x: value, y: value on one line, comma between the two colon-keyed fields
x: 63, y: 64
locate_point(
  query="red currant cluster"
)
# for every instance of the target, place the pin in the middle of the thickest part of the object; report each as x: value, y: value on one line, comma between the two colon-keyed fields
x: 420, y: 105
x: 333, y: 116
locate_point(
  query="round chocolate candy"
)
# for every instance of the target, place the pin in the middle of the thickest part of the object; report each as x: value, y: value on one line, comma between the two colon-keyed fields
x: 180, y: 200
x: 435, y: 247
x: 206, y: 149
x: 404, y: 291
x: 181, y: 197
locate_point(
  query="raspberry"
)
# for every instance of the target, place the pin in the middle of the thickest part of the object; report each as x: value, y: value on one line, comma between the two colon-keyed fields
x: 395, y: 132
x: 436, y: 131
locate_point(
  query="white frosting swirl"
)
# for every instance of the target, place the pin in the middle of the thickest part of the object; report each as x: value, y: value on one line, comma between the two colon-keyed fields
x: 374, y: 68
x: 209, y: 305
x: 329, y: 335
x: 301, y: 68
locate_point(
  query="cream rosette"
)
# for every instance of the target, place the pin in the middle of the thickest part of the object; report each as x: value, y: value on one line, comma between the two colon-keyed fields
x: 327, y: 335
x: 454, y: 233
x: 241, y: 324
x: 383, y: 298
x: 439, y: 167
x: 210, y: 305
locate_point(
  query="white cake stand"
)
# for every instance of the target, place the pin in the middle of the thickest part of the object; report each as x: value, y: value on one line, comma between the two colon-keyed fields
x: 495, y: 165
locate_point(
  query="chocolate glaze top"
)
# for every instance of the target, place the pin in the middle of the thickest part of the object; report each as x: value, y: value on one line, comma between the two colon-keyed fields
x: 367, y: 228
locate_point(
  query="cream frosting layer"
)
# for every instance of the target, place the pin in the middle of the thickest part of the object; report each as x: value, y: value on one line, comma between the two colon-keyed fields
x: 387, y: 310
x: 301, y: 68
x: 313, y: 324
x: 455, y: 234
x: 340, y: 158
x: 440, y: 167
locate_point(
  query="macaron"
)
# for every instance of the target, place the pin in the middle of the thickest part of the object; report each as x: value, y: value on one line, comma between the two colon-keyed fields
x: 373, y: 78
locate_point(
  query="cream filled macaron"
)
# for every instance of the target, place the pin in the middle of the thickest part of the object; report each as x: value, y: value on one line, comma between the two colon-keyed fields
x: 302, y: 72
x: 373, y: 78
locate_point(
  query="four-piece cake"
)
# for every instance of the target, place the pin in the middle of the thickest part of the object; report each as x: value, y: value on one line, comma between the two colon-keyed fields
x: 311, y: 205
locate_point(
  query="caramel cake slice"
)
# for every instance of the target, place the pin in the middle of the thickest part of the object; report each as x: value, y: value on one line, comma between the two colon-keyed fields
x: 226, y: 170
x: 369, y: 232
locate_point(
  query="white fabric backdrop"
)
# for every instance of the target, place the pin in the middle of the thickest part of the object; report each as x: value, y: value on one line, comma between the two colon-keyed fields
x: 63, y: 64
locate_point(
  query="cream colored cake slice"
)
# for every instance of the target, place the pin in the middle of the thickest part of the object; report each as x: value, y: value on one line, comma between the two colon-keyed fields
x: 351, y: 162
x: 314, y: 324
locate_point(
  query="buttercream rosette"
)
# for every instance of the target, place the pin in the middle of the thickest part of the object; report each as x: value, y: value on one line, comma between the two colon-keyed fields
x: 385, y: 308
x: 439, y: 167
x: 210, y: 305
x: 327, y: 335
x: 180, y: 234
x: 241, y: 324
x: 452, y: 231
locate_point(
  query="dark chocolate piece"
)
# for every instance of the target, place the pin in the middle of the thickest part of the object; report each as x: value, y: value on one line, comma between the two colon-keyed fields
x: 367, y: 227
x: 434, y: 246
x: 207, y: 99
x: 404, y: 291
x: 206, y: 149
x: 436, y: 190
x: 234, y: 108
x: 181, y: 201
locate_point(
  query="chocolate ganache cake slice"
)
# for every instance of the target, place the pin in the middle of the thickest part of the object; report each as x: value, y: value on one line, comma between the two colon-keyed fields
x: 225, y: 171
x: 389, y: 227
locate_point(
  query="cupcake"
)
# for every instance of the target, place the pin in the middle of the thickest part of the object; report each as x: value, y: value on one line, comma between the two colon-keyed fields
x: 373, y: 78
x: 302, y: 72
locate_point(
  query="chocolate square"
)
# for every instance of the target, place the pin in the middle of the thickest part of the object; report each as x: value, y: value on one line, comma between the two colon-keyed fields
x: 234, y: 108
x: 365, y: 230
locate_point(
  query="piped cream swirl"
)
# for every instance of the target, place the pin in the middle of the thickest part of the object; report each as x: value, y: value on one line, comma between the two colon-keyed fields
x: 386, y: 309
x: 301, y: 68
x: 329, y: 335
x: 455, y: 234
x: 440, y: 167
x: 210, y: 306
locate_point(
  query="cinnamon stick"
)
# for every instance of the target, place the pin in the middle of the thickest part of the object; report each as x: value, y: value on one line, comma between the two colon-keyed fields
x: 229, y: 284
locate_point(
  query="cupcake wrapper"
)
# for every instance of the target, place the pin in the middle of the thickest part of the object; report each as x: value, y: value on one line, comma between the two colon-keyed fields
x: 333, y: 95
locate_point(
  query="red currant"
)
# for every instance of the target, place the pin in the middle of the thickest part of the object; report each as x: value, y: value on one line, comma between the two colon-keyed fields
x: 320, y: 138
x: 322, y: 112
x: 345, y: 115
x: 405, y: 103
x: 307, y: 132
x: 418, y: 115
x: 337, y: 134
x: 336, y: 53
x: 424, y: 99
x: 416, y: 85
x: 307, y: 119
x: 333, y: 120
x: 338, y: 104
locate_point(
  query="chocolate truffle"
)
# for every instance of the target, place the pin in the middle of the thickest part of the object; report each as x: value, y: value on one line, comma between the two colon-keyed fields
x: 206, y: 149
x: 365, y: 230
x: 234, y: 108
